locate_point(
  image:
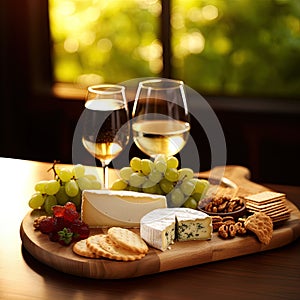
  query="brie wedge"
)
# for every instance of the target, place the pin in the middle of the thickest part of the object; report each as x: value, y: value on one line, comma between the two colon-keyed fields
x: 106, y: 208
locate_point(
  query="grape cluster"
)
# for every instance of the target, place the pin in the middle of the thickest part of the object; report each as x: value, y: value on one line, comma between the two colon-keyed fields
x: 64, y: 226
x: 162, y: 177
x: 66, y: 186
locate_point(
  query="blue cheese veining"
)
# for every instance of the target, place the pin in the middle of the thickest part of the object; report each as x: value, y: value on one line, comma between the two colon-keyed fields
x: 192, y: 225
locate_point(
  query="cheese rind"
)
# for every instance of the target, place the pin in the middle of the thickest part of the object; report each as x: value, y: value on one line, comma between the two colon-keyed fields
x: 106, y: 208
x: 158, y: 228
x: 162, y: 227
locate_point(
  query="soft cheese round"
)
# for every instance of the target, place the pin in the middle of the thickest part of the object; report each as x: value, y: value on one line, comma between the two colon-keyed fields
x: 166, y: 214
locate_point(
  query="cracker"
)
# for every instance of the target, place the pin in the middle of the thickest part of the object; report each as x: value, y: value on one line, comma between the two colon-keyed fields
x: 127, y: 239
x: 103, y: 246
x: 82, y: 249
x: 265, y: 197
x: 262, y: 225
x: 266, y: 206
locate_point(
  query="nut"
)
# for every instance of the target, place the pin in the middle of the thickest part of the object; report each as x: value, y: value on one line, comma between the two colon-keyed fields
x: 227, y: 231
x: 224, y: 205
x: 37, y: 221
x: 217, y: 225
x: 240, y: 228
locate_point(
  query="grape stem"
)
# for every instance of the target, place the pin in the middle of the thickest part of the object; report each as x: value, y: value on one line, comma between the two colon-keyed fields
x: 53, y: 168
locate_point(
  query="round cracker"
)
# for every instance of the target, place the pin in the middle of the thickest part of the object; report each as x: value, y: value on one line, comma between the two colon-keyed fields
x: 82, y: 249
x: 127, y: 239
x: 103, y: 246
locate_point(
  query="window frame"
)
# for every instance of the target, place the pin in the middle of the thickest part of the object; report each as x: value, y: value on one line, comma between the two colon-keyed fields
x: 44, y: 84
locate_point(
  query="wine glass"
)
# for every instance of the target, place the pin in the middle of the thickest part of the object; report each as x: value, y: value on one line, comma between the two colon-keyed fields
x: 160, y: 123
x: 106, y: 124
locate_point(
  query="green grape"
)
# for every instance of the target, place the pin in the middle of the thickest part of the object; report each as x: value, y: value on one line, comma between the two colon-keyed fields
x: 119, y: 185
x: 146, y: 166
x: 148, y: 183
x: 177, y: 198
x: 90, y: 176
x: 78, y: 171
x: 149, y: 187
x: 161, y: 166
x: 77, y: 200
x: 61, y: 196
x: 72, y: 188
x: 197, y: 196
x: 135, y: 164
x: 137, y: 179
x: 172, y: 162
x: 84, y: 183
x: 185, y: 173
x: 126, y: 172
x: 52, y: 187
x: 160, y: 157
x: 133, y: 188
x: 64, y: 174
x: 187, y: 187
x: 171, y: 174
x: 160, y: 163
x: 96, y: 185
x: 155, y: 176
x: 40, y: 186
x: 201, y: 185
x: 49, y: 202
x: 190, y: 203
x: 158, y: 191
x: 36, y: 201
x: 166, y: 186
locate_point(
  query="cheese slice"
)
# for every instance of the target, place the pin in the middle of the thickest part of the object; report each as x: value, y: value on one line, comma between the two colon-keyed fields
x: 158, y: 228
x: 192, y: 225
x: 105, y: 208
x: 161, y: 227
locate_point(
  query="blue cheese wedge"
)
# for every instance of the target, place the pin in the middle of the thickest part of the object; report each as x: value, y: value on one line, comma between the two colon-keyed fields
x: 161, y: 227
x: 192, y: 225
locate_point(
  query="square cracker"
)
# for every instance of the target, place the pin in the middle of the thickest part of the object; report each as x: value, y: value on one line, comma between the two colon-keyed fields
x: 265, y: 197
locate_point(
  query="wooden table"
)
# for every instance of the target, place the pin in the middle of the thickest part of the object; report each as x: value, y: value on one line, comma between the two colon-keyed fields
x: 274, y: 274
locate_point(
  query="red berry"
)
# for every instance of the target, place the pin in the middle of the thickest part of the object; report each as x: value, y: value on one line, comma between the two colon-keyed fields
x: 47, y: 225
x: 71, y: 215
x: 58, y: 210
x: 65, y: 236
x: 61, y: 223
x: 80, y: 230
x: 53, y: 236
x: 70, y: 205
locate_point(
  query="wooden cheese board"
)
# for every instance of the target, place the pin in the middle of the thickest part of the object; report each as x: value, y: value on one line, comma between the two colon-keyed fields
x: 181, y: 254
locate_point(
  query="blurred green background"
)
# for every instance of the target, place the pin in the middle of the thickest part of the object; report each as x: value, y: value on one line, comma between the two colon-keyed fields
x: 219, y: 47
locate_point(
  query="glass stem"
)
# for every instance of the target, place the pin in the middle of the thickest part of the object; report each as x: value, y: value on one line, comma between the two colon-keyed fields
x: 105, y: 175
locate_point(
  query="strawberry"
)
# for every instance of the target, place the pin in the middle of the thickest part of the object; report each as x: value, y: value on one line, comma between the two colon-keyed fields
x: 65, y: 236
x: 71, y: 215
x: 58, y: 210
x: 70, y: 205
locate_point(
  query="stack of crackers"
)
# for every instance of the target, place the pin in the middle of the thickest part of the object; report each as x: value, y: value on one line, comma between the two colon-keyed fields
x: 118, y: 244
x: 271, y: 203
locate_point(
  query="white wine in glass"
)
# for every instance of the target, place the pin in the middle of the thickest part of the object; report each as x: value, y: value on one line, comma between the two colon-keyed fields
x: 106, y: 124
x: 160, y: 122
